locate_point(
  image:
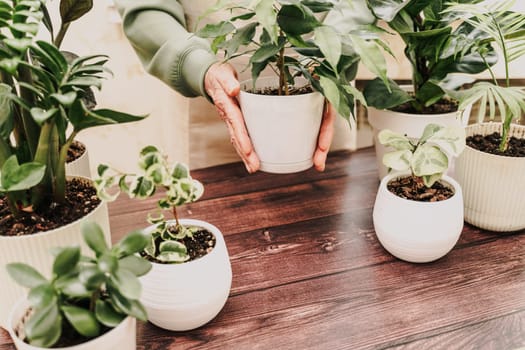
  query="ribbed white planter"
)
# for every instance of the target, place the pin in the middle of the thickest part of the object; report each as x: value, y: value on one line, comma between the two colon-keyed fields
x: 185, y: 296
x: 283, y: 129
x: 417, y: 231
x: 122, y: 337
x: 493, y: 185
x: 80, y: 166
x: 411, y: 125
x: 35, y: 250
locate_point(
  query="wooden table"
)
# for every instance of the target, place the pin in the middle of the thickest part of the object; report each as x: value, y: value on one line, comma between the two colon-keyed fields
x: 309, y: 273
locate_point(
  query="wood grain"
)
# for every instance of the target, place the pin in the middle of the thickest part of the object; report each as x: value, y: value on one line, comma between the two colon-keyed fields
x: 309, y: 272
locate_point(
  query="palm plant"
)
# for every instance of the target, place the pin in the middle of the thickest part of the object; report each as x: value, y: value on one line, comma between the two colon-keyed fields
x: 506, y: 29
x: 43, y: 94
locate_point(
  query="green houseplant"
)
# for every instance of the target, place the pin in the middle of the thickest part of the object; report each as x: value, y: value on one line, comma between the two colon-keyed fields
x: 429, y: 202
x: 45, y: 95
x: 290, y: 39
x: 490, y: 170
x: 186, y: 250
x: 86, y: 296
x: 442, y: 49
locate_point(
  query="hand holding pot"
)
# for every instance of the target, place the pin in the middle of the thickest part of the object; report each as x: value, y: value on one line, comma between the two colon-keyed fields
x: 223, y: 87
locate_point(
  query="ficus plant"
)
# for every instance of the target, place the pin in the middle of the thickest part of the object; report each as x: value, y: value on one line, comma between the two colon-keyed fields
x: 86, y: 294
x: 290, y: 38
x: 439, y: 42
x: 427, y: 157
x: 44, y: 93
x: 505, y: 29
x: 165, y: 244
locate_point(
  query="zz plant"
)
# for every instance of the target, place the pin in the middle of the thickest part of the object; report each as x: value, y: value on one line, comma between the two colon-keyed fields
x: 88, y: 294
x: 426, y: 158
x: 43, y: 95
x: 291, y: 39
x: 166, y: 244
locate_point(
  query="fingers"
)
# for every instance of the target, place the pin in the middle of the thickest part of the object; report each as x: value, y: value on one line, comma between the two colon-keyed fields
x: 222, y: 86
x: 326, y: 134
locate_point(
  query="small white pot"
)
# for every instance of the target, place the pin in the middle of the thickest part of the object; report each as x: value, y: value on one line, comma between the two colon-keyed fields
x: 283, y: 129
x: 186, y: 296
x: 122, y: 337
x: 493, y: 185
x: 35, y: 250
x: 411, y: 125
x: 80, y: 166
x: 417, y: 231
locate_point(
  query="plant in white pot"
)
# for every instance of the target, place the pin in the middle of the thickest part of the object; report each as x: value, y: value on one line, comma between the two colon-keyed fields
x: 191, y: 276
x: 42, y: 95
x: 312, y: 60
x: 90, y: 302
x: 491, y: 169
x: 442, y: 49
x: 418, y: 212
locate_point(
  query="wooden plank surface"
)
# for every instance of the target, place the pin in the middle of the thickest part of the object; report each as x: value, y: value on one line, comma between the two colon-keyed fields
x: 309, y: 273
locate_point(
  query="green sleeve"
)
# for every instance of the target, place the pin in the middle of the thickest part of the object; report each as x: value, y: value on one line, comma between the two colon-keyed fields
x: 157, y: 31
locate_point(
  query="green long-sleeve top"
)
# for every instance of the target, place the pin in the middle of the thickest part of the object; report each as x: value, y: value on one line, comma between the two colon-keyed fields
x: 157, y: 31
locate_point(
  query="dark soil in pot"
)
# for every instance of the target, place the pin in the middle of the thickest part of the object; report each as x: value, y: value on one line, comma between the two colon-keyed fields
x: 81, y: 199
x: 413, y: 188
x: 273, y: 91
x: 490, y: 143
x: 75, y: 151
x: 440, y: 107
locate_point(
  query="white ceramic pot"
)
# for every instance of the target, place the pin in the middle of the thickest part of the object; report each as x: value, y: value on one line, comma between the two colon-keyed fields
x: 122, y: 337
x: 80, y: 166
x: 493, y: 185
x: 185, y: 296
x: 411, y: 125
x: 35, y: 250
x: 417, y: 231
x: 283, y: 129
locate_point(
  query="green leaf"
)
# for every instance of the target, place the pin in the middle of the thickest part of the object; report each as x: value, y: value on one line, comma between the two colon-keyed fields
x: 83, y: 320
x: 65, y: 99
x: 429, y: 160
x: 141, y: 188
x: 138, y: 266
x: 40, y: 116
x: 72, y: 286
x: 54, y: 54
x: 330, y: 44
x: 330, y: 91
x: 42, y: 295
x: 398, y: 160
x: 297, y: 20
x: 25, y: 275
x: 264, y: 53
x: 372, y: 57
x: 44, y: 327
x: 82, y: 118
x: 130, y: 307
x: 392, y: 139
x: 429, y: 93
x: 451, y: 140
x: 92, y: 277
x: 267, y: 16
x: 242, y: 36
x: 386, y: 9
x: 216, y: 30
x: 16, y: 178
x: 107, y: 263
x: 71, y: 10
x: 127, y: 283
x: 107, y: 315
x: 94, y: 237
x: 20, y: 45
x: 66, y: 260
x: 132, y: 243
x: 381, y: 96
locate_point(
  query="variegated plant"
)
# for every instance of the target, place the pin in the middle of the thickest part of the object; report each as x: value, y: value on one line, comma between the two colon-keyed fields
x: 428, y: 157
x: 165, y: 245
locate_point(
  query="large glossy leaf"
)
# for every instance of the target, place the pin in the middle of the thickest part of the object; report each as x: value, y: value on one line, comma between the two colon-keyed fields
x: 214, y: 30
x: 330, y: 44
x: 82, y: 118
x: 386, y: 9
x: 44, y: 327
x: 429, y: 93
x: 397, y: 160
x: 94, y: 237
x: 25, y: 275
x: 429, y: 160
x: 380, y: 96
x: 135, y: 264
x: 371, y: 56
x: 42, y: 295
x: 267, y: 16
x: 392, y: 139
x: 71, y: 10
x: 243, y: 36
x: 6, y: 117
x: 297, y: 20
x: 66, y: 260
x: 450, y: 140
x: 83, y: 320
x: 132, y: 243
x: 107, y: 315
x: 127, y: 283
x: 16, y: 177
x: 130, y: 307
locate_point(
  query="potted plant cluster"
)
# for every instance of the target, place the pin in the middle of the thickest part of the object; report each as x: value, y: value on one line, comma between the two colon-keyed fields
x: 439, y: 42
x: 191, y: 276
x: 418, y: 212
x: 89, y: 302
x: 43, y: 98
x: 311, y: 60
x: 491, y: 169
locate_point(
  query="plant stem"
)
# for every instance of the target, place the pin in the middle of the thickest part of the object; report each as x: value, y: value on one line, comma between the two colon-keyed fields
x: 61, y: 34
x: 30, y: 127
x: 42, y: 157
x: 60, y: 170
x: 282, y: 78
x: 174, y: 211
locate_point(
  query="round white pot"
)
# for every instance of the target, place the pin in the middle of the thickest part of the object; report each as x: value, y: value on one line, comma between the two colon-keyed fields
x: 186, y: 296
x: 35, y: 251
x: 417, y: 231
x: 411, y: 125
x: 122, y: 337
x: 80, y: 166
x: 283, y: 129
x: 493, y: 185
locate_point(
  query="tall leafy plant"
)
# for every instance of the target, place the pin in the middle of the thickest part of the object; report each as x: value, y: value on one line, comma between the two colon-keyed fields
x: 506, y: 29
x: 291, y: 39
x: 439, y: 41
x: 43, y: 94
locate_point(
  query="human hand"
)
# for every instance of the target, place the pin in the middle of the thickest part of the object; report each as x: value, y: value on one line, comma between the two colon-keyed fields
x: 221, y: 84
x: 326, y: 134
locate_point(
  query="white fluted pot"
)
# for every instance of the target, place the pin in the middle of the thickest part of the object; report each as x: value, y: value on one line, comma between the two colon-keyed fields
x: 80, y: 166
x: 493, y: 185
x: 417, y: 231
x: 122, y: 337
x: 186, y: 296
x: 283, y: 129
x: 35, y: 250
x: 411, y: 125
